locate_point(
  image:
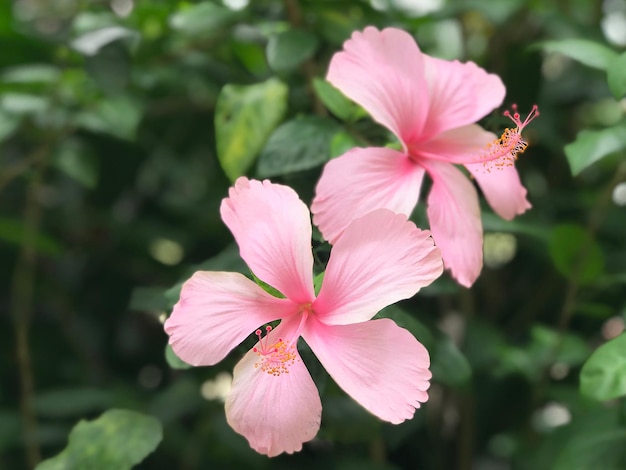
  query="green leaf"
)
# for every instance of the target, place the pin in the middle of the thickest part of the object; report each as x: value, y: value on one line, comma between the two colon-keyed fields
x: 336, y: 26
x: 31, y: 73
x: 341, y: 142
x: 589, y: 53
x: 546, y: 346
x: 336, y: 101
x: 299, y: 144
x: 119, y: 116
x: 616, y: 77
x: 23, y: 103
x: 595, y: 310
x: 10, y: 429
x: 90, y: 43
x: 522, y: 225
x: 545, y: 342
x: 603, y: 376
x: 12, y: 230
x: 317, y: 282
x: 449, y: 365
x: 286, y: 50
x: 267, y: 288
x: 173, y: 360
x: 229, y: 259
x: 594, y: 450
x: 110, y: 68
x: 252, y: 56
x: 203, y: 19
x: 8, y: 124
x: 591, y: 146
x: 7, y: 26
x: 496, y: 13
x: 245, y: 116
x: 118, y: 439
x: 576, y: 254
x: 556, y: 443
x: 78, y: 162
x: 483, y: 344
x: 86, y: 21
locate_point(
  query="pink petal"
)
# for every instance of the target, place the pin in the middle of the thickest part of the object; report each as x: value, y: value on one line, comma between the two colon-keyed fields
x: 216, y: 312
x: 502, y: 188
x: 362, y: 180
x: 382, y: 366
x: 383, y: 72
x: 454, y: 216
x: 380, y: 259
x: 274, y: 413
x: 467, y: 144
x: 273, y: 230
x: 460, y: 94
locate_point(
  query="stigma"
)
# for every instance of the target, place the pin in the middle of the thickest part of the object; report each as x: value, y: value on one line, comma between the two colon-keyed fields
x: 503, y: 151
x: 275, y: 358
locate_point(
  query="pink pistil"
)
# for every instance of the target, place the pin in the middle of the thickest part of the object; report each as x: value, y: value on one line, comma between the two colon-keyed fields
x: 504, y: 151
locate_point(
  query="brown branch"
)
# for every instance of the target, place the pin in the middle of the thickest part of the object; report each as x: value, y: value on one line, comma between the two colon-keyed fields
x: 464, y: 402
x: 467, y: 430
x: 22, y: 306
x: 13, y: 171
x: 598, y: 214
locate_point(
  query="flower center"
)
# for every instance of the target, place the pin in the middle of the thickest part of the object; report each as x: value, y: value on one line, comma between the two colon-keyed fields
x: 503, y: 151
x: 276, y: 357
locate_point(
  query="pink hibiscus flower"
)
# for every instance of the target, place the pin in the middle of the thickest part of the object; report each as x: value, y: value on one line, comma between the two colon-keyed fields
x: 381, y: 259
x: 431, y: 105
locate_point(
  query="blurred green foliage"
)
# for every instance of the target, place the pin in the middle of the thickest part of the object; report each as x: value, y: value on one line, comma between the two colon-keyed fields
x: 117, y: 439
x: 122, y: 124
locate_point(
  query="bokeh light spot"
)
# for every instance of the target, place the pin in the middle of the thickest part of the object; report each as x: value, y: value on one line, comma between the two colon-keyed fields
x: 619, y: 194
x: 499, y: 248
x: 166, y: 251
x: 217, y: 388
